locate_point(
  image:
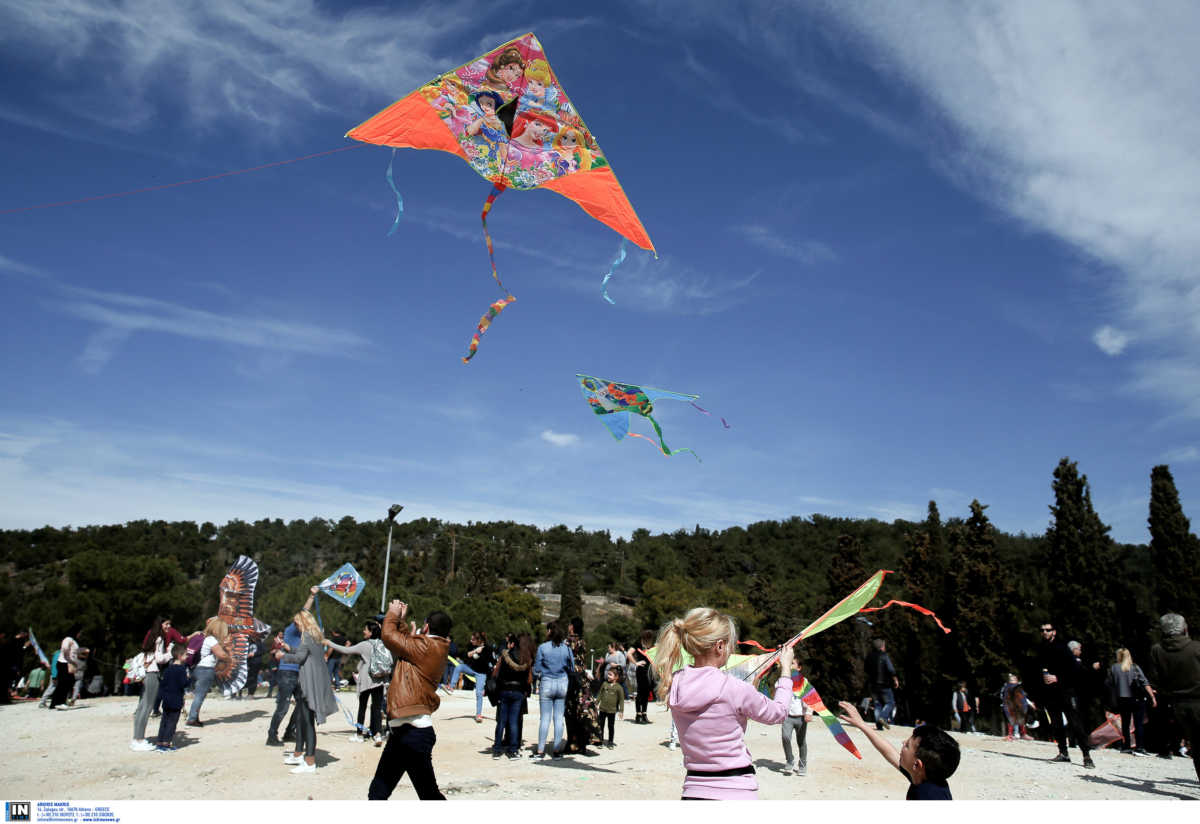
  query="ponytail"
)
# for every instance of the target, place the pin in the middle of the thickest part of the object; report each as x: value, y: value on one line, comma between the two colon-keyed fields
x: 695, y: 633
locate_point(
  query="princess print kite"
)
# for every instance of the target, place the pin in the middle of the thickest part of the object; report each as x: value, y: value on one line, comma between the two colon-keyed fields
x: 506, y: 114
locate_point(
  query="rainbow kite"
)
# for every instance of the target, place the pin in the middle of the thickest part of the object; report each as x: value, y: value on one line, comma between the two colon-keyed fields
x: 808, y: 694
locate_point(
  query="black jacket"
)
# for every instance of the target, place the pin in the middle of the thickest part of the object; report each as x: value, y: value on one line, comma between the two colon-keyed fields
x: 1175, y: 668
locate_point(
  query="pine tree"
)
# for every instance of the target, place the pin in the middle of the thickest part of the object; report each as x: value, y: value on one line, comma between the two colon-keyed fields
x: 1081, y: 557
x: 1174, y: 550
x: 979, y: 593
x: 918, y: 642
x: 571, y: 605
x: 834, y: 658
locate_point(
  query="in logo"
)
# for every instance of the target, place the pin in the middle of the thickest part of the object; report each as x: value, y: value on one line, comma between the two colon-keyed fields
x: 17, y: 810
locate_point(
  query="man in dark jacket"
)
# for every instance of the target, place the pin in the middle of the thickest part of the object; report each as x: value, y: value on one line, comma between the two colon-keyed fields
x: 411, y: 701
x: 881, y: 675
x: 1175, y: 670
x: 1061, y: 681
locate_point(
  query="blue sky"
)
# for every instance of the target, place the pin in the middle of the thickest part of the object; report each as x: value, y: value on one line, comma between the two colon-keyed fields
x: 908, y: 251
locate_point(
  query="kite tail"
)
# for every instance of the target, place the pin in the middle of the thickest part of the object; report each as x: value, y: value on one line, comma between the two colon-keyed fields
x: 484, y: 322
x: 662, y: 444
x: 399, y: 200
x: 497, y: 307
x: 724, y: 422
x: 753, y: 643
x: 917, y: 607
x: 617, y: 262
x: 813, y: 700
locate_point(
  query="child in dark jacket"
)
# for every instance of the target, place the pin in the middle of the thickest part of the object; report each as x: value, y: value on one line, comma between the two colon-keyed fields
x: 611, y: 702
x: 171, y: 687
x: 928, y: 758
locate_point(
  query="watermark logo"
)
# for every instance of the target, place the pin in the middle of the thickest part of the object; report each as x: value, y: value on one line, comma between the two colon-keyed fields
x: 17, y: 810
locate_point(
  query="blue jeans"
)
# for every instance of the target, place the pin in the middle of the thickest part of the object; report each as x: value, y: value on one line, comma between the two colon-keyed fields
x: 286, y: 680
x: 480, y: 680
x: 507, y: 721
x: 885, y: 706
x: 204, y: 680
x: 553, y: 698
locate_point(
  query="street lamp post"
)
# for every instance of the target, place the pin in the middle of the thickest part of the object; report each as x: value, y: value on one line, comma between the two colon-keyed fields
x: 393, y: 511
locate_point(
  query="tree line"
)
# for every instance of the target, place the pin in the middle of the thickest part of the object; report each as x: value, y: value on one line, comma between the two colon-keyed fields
x: 991, y: 588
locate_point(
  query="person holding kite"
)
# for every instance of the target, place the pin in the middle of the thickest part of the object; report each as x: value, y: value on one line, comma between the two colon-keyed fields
x: 316, y: 701
x: 711, y: 708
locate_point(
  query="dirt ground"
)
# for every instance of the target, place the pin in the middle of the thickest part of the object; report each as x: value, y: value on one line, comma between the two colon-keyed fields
x: 84, y: 753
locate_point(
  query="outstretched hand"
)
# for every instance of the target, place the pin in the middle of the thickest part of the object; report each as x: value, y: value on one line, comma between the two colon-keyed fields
x: 786, y: 659
x: 850, y: 715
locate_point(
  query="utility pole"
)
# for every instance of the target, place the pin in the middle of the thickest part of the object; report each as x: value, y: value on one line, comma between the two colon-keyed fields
x: 392, y: 512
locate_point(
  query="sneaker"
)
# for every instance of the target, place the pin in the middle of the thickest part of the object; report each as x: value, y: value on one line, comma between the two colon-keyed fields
x: 479, y: 719
x: 537, y: 755
x: 156, y: 714
x: 378, y: 741
x: 1164, y: 754
x: 272, y: 741
x: 672, y: 746
x: 357, y: 739
x: 1088, y: 764
x: 513, y: 755
x: 303, y: 767
x: 196, y: 723
x: 1141, y: 753
x: 496, y: 754
x: 801, y: 771
x: 164, y: 748
x: 140, y: 746
x: 788, y: 768
x: 1061, y: 758
x: 291, y: 759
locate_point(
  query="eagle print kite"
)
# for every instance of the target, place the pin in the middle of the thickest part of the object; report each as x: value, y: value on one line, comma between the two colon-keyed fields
x: 506, y: 114
x: 236, y: 609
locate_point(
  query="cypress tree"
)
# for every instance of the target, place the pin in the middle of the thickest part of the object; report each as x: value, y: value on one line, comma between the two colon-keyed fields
x: 571, y: 603
x: 1173, y: 549
x: 919, y: 642
x: 1081, y: 557
x: 836, y: 655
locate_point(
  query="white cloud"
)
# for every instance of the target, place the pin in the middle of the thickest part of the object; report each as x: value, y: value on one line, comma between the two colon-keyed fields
x: 121, y: 315
x: 1183, y: 454
x: 559, y: 438
x: 801, y: 250
x: 248, y: 61
x: 1111, y: 341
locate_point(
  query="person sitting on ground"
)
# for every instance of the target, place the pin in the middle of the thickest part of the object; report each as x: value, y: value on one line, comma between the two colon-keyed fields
x: 171, y: 686
x: 711, y: 708
x: 927, y: 758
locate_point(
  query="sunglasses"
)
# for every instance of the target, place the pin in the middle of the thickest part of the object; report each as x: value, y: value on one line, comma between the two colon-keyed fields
x: 1047, y: 629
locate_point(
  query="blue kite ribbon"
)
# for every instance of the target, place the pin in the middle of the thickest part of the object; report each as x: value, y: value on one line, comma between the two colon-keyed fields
x: 617, y: 262
x: 399, y: 200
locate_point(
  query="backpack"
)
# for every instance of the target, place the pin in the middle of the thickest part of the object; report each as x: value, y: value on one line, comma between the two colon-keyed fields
x: 380, y: 665
x: 137, y: 668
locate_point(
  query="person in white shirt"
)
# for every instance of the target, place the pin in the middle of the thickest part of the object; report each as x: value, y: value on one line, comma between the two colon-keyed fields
x: 799, y: 714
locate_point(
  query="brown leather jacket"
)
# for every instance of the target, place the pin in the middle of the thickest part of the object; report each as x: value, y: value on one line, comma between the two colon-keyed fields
x: 420, y: 663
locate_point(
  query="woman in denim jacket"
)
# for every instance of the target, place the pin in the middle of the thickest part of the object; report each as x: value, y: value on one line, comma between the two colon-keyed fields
x: 553, y: 662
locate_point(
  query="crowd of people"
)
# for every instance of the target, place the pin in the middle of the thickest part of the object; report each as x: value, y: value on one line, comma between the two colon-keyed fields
x: 400, y: 667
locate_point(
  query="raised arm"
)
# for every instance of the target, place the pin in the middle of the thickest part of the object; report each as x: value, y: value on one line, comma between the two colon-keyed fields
x: 362, y: 649
x: 850, y: 716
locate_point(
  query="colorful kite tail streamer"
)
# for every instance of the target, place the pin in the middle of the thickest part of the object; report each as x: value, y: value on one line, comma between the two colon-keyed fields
x: 662, y: 444
x: 753, y: 643
x: 484, y: 322
x: 917, y: 607
x: 617, y: 262
x: 497, y: 190
x: 706, y: 412
x: 399, y: 200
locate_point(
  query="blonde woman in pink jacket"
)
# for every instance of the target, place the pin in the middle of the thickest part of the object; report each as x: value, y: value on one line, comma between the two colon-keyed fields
x: 710, y: 708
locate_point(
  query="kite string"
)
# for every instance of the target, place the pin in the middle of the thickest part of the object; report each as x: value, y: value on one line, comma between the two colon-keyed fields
x: 399, y: 200
x: 617, y: 262
x: 177, y: 183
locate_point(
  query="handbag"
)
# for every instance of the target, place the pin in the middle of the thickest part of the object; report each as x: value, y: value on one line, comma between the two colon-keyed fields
x: 491, y: 690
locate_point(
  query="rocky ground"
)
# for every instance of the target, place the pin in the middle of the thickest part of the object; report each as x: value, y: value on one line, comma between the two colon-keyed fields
x: 83, y: 753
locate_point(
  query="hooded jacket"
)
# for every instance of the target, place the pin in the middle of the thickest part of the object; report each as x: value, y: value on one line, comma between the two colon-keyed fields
x: 1176, y: 667
x: 710, y: 710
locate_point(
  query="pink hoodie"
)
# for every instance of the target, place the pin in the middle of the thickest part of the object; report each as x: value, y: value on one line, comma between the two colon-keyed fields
x: 710, y: 710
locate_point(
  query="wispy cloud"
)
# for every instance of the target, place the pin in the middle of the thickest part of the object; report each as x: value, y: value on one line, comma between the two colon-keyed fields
x: 1183, y: 454
x: 559, y: 439
x: 121, y: 315
x: 225, y: 61
x: 1110, y: 340
x: 806, y: 251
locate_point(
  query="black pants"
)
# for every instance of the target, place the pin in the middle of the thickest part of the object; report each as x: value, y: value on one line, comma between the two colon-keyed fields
x: 1056, y: 706
x: 286, y: 681
x: 1187, y: 714
x: 409, y: 750
x: 166, y: 727
x: 1132, y: 720
x: 64, y: 682
x: 609, y: 718
x: 375, y: 696
x: 643, y: 691
x: 306, y: 727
